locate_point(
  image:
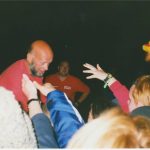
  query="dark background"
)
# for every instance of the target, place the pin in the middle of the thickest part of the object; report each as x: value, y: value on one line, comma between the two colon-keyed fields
x: 110, y: 33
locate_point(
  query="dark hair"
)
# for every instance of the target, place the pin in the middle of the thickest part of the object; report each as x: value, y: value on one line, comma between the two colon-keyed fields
x: 62, y: 61
x: 100, y: 105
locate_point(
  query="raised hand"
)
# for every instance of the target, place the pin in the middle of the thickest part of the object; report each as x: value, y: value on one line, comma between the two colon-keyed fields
x: 28, y: 87
x: 97, y: 72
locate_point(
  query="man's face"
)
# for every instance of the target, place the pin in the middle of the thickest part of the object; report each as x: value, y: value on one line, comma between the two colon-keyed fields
x: 147, y: 57
x: 39, y: 58
x: 38, y: 67
x: 63, y: 69
x: 39, y: 64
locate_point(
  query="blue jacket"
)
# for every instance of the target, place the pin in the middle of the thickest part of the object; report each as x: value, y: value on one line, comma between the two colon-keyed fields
x: 44, y: 131
x: 65, y: 118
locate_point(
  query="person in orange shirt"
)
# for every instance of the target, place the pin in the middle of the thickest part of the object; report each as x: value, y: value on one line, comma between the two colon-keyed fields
x: 67, y: 83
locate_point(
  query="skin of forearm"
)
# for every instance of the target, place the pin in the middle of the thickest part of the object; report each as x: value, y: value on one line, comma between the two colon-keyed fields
x: 34, y: 108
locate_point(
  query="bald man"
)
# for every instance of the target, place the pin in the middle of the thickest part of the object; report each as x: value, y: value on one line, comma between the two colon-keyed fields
x: 39, y: 56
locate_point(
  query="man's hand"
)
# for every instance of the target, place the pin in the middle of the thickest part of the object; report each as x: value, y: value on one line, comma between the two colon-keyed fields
x: 28, y: 88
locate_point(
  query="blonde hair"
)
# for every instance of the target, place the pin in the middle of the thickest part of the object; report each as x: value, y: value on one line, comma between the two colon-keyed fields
x: 141, y: 91
x: 113, y: 129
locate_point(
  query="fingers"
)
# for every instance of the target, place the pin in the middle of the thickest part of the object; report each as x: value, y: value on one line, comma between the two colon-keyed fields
x: 44, y: 89
x: 98, y: 67
x: 37, y: 85
x: 87, y: 71
x: 89, y: 66
x: 92, y: 67
x: 24, y: 79
x: 90, y: 77
x: 40, y: 87
x: 48, y: 85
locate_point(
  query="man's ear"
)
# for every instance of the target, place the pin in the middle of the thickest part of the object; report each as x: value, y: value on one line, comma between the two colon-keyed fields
x: 133, y: 91
x: 132, y: 88
x: 29, y: 57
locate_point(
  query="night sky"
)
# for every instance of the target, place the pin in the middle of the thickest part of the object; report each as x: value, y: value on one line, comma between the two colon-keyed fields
x: 110, y: 33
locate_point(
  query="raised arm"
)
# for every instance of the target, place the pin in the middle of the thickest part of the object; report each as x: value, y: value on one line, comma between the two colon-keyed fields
x: 30, y: 92
x: 98, y: 73
x: 64, y: 116
x: 119, y: 90
x: 43, y: 128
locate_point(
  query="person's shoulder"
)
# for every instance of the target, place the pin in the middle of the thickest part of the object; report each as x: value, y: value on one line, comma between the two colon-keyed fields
x: 72, y: 77
x: 143, y: 111
x: 50, y: 76
x: 16, y: 65
x: 20, y: 62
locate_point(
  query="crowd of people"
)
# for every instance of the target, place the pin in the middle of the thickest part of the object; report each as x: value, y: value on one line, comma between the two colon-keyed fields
x: 24, y: 123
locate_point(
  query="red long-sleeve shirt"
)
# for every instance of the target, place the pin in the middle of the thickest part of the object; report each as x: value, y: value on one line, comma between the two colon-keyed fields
x: 122, y: 94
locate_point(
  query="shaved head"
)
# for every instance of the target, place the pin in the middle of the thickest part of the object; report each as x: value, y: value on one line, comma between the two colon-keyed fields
x: 40, y: 46
x: 39, y: 56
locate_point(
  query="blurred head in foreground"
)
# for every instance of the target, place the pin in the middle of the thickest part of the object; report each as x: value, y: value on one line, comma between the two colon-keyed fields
x: 113, y: 129
x: 15, y: 126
